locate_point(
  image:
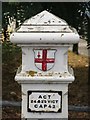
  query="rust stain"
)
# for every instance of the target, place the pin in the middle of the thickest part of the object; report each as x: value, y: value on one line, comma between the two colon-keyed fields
x: 48, y: 74
x: 31, y: 73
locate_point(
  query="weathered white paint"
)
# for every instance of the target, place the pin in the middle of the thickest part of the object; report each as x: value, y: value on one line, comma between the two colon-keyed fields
x: 28, y: 63
x: 45, y: 18
x: 45, y: 36
x: 46, y: 28
x: 45, y: 87
x: 42, y: 26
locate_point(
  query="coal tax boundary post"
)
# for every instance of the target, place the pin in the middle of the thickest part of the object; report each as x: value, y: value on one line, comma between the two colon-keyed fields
x: 45, y: 74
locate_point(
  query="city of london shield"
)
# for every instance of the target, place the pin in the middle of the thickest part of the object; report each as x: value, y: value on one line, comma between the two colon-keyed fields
x: 44, y: 59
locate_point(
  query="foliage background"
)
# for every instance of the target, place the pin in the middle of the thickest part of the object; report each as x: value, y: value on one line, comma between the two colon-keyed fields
x: 73, y: 12
x: 75, y: 15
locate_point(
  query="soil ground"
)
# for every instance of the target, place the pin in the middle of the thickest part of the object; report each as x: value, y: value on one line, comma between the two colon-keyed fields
x: 11, y: 90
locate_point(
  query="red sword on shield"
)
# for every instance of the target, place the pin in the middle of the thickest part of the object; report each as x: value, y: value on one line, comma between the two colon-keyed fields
x: 44, y: 60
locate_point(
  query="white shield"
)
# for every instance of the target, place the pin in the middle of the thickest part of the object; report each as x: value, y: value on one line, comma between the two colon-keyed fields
x: 44, y: 59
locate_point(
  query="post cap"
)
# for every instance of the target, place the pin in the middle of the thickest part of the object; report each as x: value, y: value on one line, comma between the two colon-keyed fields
x: 45, y: 28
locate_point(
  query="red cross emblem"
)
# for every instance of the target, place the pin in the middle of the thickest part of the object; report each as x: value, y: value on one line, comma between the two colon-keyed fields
x: 44, y: 59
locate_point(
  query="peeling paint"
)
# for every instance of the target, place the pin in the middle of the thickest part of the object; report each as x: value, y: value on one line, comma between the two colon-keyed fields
x: 59, y: 21
x: 49, y: 21
x: 62, y: 35
x: 31, y: 73
x: 33, y: 17
x: 45, y: 22
x: 42, y: 15
x: 48, y: 74
x: 30, y: 28
x: 64, y: 28
x: 46, y: 27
